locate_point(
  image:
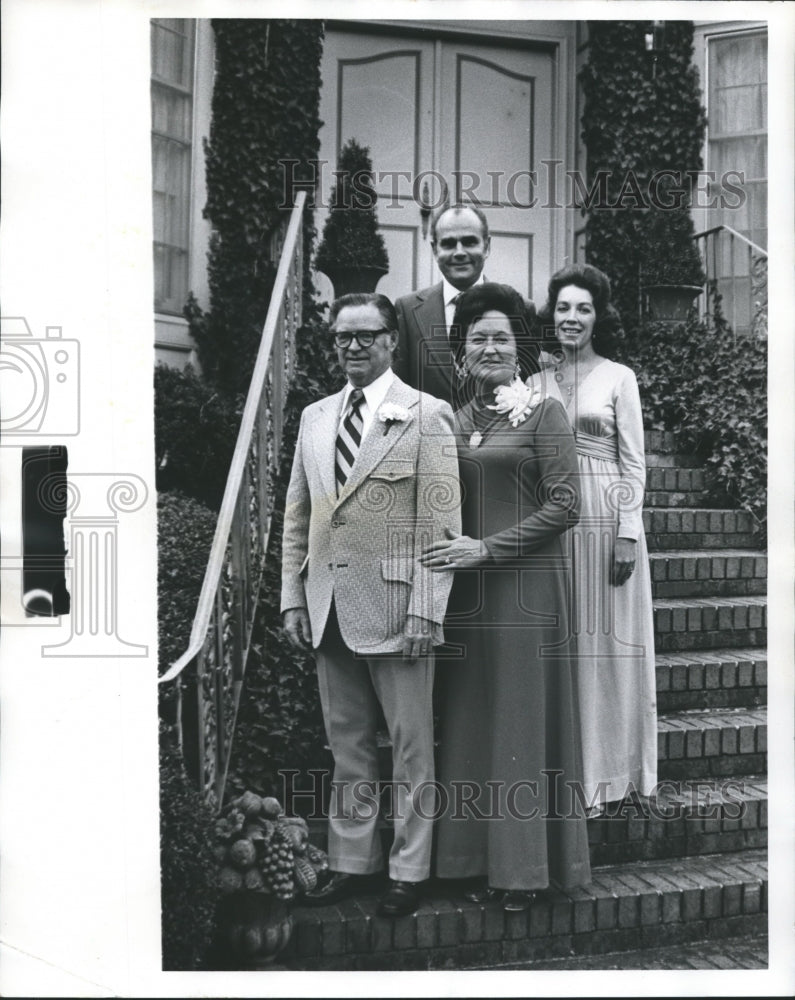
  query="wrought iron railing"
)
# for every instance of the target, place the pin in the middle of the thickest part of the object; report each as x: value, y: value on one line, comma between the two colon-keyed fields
x: 736, y: 270
x: 208, y: 677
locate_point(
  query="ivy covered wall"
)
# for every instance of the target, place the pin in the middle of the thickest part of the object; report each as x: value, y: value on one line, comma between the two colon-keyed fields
x: 643, y: 128
x: 264, y: 111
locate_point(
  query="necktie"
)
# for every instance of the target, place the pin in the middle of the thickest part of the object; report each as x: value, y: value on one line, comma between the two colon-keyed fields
x: 451, y: 313
x: 349, y: 439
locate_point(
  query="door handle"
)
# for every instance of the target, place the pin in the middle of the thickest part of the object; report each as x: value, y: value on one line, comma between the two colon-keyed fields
x: 425, y: 209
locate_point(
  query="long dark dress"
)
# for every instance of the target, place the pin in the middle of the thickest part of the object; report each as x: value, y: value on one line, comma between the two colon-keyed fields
x: 509, y: 725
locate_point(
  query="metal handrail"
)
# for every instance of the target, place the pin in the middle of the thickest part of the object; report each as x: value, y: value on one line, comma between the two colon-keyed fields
x: 236, y: 467
x: 743, y: 287
x: 222, y: 626
x: 733, y: 232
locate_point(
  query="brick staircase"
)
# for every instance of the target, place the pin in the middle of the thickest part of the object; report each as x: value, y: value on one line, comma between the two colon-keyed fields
x: 691, y: 869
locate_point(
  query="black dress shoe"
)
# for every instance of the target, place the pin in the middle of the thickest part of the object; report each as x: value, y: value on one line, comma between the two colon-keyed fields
x: 517, y: 900
x: 479, y: 891
x: 401, y: 898
x: 337, y: 887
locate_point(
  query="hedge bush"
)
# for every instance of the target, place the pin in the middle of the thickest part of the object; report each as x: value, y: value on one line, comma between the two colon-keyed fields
x: 185, y: 530
x: 710, y: 387
x: 187, y: 865
x: 195, y: 433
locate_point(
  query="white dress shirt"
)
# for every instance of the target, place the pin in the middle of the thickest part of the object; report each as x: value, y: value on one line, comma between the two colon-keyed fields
x: 374, y: 395
x: 449, y: 293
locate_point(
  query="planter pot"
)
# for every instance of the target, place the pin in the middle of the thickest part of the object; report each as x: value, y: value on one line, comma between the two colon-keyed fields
x: 670, y: 303
x: 255, y: 927
x: 353, y: 279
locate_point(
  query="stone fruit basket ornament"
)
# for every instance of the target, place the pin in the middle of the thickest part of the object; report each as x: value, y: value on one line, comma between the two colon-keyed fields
x: 265, y: 862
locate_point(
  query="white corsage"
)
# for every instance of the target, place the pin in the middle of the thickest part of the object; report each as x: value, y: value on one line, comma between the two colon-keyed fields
x: 391, y: 413
x: 517, y: 401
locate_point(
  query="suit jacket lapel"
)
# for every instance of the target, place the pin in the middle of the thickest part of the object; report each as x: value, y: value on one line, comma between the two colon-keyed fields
x: 377, y: 444
x: 324, y: 440
x: 429, y: 315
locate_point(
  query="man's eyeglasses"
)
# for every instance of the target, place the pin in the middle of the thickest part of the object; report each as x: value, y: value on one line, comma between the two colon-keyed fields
x: 364, y: 338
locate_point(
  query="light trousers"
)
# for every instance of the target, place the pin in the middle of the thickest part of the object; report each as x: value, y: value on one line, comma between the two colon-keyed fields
x: 351, y: 690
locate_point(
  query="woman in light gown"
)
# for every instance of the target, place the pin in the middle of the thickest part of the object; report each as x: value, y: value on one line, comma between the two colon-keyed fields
x: 509, y: 755
x: 612, y: 612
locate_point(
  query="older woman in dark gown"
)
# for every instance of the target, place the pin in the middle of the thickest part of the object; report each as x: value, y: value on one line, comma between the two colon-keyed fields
x: 510, y: 762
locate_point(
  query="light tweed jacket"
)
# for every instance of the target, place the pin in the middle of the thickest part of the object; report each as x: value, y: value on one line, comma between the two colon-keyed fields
x: 361, y: 548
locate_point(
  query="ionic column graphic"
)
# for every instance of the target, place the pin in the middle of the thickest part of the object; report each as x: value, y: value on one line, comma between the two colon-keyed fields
x: 93, y: 502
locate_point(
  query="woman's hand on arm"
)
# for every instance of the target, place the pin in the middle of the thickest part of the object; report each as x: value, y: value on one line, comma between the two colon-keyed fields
x: 455, y: 552
x: 623, y: 561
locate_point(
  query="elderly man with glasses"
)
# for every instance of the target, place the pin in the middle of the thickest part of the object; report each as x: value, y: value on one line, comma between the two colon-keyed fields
x: 374, y: 482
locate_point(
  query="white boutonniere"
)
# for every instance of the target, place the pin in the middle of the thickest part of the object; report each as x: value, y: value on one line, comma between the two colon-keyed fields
x: 517, y: 401
x: 391, y: 413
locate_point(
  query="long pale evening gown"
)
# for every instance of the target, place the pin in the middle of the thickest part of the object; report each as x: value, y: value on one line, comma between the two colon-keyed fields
x: 613, y: 626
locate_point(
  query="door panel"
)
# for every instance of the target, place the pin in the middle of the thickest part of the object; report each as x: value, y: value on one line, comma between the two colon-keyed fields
x: 478, y: 115
x: 497, y: 125
x: 378, y: 90
x: 492, y: 104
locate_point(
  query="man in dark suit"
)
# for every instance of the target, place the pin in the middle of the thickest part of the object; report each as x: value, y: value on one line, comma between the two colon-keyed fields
x: 461, y: 243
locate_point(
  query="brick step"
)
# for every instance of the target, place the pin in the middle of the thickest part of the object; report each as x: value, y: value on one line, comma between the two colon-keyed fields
x: 684, y: 623
x: 626, y: 907
x: 693, y: 528
x: 671, y: 460
x: 684, y: 818
x: 696, y: 743
x: 724, y: 953
x: 715, y: 743
x: 664, y: 498
x: 710, y: 573
x: 659, y: 442
x: 717, y: 678
x: 675, y: 480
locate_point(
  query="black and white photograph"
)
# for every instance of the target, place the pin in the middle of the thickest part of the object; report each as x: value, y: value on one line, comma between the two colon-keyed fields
x: 392, y: 450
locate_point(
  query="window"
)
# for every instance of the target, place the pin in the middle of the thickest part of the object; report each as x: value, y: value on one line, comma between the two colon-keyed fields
x: 172, y: 136
x: 737, y: 142
x: 737, y: 109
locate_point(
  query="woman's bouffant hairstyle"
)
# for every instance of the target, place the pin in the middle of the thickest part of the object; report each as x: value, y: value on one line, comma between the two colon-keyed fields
x: 489, y: 296
x: 607, y: 328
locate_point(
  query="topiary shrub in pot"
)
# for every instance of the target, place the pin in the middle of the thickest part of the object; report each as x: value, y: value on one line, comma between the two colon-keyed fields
x: 671, y: 270
x: 352, y: 251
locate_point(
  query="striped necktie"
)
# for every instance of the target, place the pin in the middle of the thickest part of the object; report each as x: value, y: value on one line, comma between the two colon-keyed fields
x: 349, y: 439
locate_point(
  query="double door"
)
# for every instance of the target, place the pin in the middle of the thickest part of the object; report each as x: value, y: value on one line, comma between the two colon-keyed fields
x: 448, y: 117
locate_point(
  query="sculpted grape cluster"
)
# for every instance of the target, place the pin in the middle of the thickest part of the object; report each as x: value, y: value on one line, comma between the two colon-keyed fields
x: 261, y: 849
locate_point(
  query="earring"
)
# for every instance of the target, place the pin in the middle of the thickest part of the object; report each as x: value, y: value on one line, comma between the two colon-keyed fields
x: 461, y: 369
x: 517, y: 371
